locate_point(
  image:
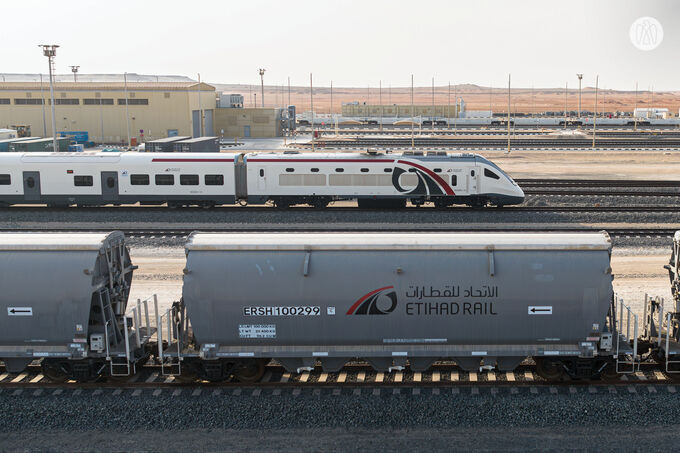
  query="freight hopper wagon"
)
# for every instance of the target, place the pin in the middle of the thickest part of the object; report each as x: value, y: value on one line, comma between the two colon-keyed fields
x: 660, y: 337
x: 64, y: 299
x: 481, y: 300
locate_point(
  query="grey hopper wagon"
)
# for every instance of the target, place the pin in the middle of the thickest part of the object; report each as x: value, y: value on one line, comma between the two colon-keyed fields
x: 64, y: 299
x: 483, y: 300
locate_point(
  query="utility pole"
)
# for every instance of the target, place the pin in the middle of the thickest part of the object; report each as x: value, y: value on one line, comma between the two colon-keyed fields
x: 289, y: 90
x: 580, y: 77
x: 200, y: 110
x: 380, y: 102
x: 331, y: 99
x: 455, y: 99
x: 508, y: 151
x: 635, y: 108
x: 261, y: 71
x: 566, y: 89
x: 42, y: 99
x: 413, y: 140
x: 448, y: 115
x: 433, y: 107
x: 311, y: 104
x: 74, y: 70
x: 597, y: 81
x: 127, y: 115
x: 50, y: 51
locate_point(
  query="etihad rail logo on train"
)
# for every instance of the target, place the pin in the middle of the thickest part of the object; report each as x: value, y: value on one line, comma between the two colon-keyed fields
x: 381, y: 301
x: 428, y: 182
x: 448, y: 300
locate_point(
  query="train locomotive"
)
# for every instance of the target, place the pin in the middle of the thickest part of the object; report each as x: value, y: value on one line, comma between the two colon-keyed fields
x: 484, y: 301
x: 375, y: 180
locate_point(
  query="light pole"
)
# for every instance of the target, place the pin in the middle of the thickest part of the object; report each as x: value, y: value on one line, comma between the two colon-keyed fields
x: 42, y: 100
x: 127, y: 113
x: 566, y: 90
x: 580, y: 77
x: 635, y: 108
x: 74, y: 70
x: 261, y: 71
x: 50, y: 51
x: 597, y: 81
x: 508, y: 151
x: 413, y: 145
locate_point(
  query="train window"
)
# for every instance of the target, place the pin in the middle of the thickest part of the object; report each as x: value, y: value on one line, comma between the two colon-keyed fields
x: 388, y: 170
x: 489, y: 174
x: 290, y: 170
x: 454, y: 180
x: 261, y: 172
x: 188, y: 180
x: 315, y: 170
x: 165, y: 180
x: 5, y: 180
x: 110, y: 182
x: 339, y: 170
x: 437, y: 170
x: 82, y: 181
x: 139, y: 180
x: 30, y: 182
x: 364, y: 170
x: 214, y: 180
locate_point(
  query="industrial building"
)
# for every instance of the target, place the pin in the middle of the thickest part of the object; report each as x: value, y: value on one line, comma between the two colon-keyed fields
x: 249, y: 122
x: 356, y: 109
x: 154, y: 109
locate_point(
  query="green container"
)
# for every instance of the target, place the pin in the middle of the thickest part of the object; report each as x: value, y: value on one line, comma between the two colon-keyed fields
x: 40, y: 145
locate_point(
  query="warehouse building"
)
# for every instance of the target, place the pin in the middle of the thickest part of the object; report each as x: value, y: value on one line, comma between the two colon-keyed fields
x: 154, y: 109
x: 356, y: 109
x: 249, y: 122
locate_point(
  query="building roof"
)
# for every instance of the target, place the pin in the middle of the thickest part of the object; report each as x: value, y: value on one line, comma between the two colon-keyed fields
x: 110, y: 86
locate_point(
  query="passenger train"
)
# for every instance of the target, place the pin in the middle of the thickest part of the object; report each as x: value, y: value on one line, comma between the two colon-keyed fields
x: 375, y: 180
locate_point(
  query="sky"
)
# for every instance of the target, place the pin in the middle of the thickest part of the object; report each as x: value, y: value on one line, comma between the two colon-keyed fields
x: 354, y: 43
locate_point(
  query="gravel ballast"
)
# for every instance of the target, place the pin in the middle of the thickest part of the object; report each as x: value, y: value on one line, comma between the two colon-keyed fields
x: 308, y: 420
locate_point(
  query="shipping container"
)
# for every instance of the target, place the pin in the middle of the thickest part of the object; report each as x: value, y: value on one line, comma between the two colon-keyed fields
x: 198, y: 145
x: 40, y: 145
x: 163, y: 145
x: 4, y: 144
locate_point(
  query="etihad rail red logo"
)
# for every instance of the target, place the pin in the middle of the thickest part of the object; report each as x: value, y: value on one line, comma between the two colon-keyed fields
x: 429, y: 182
x: 381, y: 301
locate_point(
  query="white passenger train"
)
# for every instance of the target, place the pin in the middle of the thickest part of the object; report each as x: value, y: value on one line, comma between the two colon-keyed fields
x: 283, y: 178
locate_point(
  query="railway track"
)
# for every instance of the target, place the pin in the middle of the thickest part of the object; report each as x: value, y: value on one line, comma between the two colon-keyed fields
x: 596, y: 183
x: 443, y: 375
x: 418, y: 141
x: 643, y: 231
x: 498, y: 132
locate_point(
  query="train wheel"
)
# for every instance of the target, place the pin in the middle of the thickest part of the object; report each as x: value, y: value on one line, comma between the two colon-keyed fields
x: 549, y: 369
x: 250, y: 371
x: 54, y: 371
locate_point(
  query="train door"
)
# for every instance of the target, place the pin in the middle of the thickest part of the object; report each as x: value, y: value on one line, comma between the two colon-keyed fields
x: 473, y: 177
x: 32, y: 185
x: 109, y: 186
x: 261, y: 179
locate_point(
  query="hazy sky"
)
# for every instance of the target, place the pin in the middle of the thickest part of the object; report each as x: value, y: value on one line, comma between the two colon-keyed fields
x: 354, y: 43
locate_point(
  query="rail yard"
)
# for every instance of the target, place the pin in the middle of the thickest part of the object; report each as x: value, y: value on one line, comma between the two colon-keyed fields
x: 319, y: 227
